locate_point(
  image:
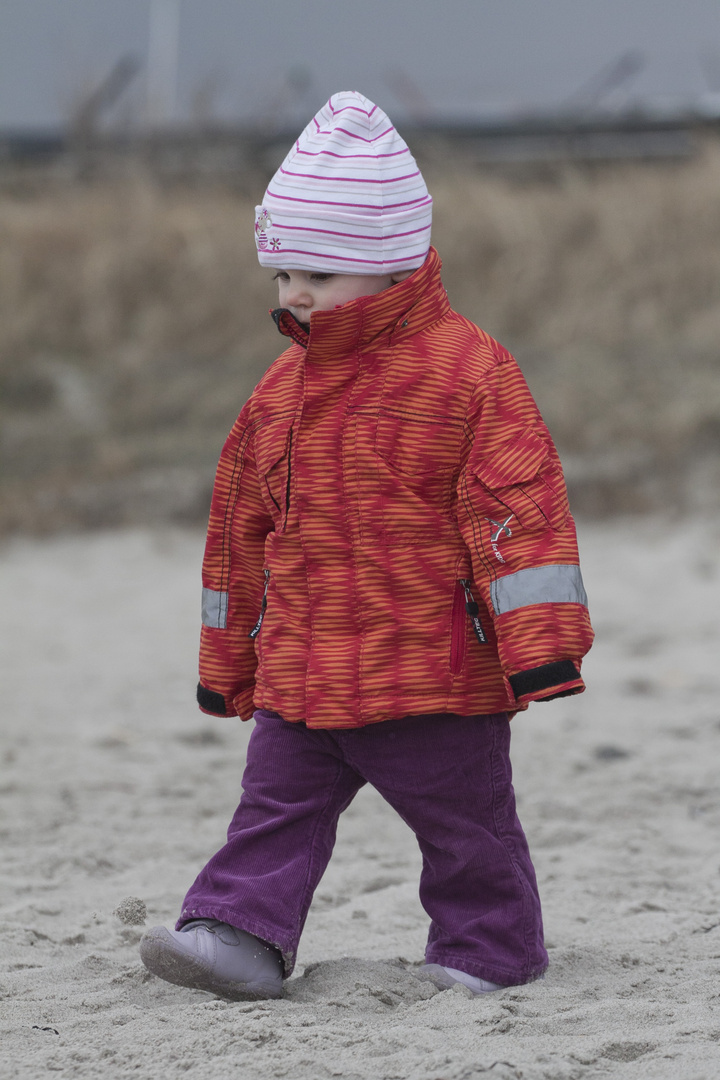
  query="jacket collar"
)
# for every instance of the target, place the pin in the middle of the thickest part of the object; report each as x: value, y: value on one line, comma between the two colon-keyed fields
x: 372, y: 321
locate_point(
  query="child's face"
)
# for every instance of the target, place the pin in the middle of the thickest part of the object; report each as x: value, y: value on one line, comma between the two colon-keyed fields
x: 305, y: 291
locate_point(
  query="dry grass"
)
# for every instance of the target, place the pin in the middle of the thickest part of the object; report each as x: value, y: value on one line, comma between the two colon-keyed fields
x: 133, y: 325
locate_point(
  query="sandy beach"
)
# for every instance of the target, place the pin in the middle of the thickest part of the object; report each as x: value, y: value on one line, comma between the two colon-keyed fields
x: 113, y: 785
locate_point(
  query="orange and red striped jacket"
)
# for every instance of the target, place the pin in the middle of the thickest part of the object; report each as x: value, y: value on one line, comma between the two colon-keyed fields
x: 389, y: 532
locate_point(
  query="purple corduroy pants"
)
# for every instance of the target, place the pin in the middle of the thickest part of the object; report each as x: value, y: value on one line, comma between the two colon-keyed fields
x: 448, y: 777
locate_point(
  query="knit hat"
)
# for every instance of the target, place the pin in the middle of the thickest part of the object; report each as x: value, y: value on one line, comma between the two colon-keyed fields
x: 348, y: 198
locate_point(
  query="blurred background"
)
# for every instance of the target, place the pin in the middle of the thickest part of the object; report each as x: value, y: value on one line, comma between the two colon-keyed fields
x: 573, y: 152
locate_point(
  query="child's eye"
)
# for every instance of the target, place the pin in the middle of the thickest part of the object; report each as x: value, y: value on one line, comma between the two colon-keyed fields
x: 281, y: 276
x: 321, y: 278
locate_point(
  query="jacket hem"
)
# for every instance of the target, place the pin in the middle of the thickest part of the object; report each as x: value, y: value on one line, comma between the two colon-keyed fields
x: 410, y: 707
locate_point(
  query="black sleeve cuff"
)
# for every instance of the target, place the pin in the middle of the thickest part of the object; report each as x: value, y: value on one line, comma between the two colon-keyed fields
x: 211, y: 701
x: 542, y: 678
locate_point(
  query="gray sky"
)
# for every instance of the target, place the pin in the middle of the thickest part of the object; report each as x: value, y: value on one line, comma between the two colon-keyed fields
x: 449, y: 57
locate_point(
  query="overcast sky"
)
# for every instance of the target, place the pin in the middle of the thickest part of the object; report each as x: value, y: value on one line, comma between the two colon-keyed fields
x: 265, y: 59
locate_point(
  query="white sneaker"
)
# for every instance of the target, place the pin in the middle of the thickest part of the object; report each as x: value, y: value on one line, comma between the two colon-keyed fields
x: 446, y: 977
x: 211, y: 955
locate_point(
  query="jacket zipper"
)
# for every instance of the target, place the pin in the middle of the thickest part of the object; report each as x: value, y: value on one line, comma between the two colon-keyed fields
x: 263, y: 607
x: 289, y: 474
x: 473, y: 611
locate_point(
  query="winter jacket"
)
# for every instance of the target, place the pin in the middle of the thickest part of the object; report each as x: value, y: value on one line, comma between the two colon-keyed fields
x: 389, y: 531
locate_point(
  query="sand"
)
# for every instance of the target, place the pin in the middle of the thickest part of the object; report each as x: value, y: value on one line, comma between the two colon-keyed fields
x: 114, y: 791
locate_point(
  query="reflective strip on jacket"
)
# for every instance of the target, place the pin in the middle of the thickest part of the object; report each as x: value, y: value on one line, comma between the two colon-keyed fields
x: 389, y: 497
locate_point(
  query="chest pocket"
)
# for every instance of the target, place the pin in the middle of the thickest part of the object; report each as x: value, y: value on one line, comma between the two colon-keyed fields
x: 521, y: 479
x: 419, y: 447
x: 273, y: 457
x: 407, y: 466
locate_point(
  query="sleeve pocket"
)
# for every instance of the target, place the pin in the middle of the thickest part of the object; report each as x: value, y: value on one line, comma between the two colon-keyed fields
x: 521, y: 478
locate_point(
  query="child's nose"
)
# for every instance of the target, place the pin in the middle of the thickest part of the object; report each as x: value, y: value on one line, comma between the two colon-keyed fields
x: 298, y: 295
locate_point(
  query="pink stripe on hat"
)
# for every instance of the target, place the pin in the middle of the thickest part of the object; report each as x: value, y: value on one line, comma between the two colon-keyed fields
x: 380, y: 212
x: 354, y: 236
x: 347, y: 157
x: 425, y: 201
x: 352, y: 179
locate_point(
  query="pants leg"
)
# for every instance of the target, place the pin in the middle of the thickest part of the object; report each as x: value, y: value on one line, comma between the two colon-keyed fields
x: 295, y: 787
x: 449, y: 778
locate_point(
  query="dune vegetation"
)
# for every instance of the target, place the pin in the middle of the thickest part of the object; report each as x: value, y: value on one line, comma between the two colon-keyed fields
x: 133, y: 325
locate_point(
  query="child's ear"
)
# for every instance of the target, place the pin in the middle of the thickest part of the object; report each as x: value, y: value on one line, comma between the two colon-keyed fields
x: 401, y: 275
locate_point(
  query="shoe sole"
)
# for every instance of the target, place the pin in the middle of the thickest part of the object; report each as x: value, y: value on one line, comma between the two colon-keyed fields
x: 436, y: 974
x: 160, y: 955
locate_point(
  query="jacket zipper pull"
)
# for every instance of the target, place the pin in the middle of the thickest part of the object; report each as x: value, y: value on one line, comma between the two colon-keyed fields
x: 256, y: 628
x: 473, y: 611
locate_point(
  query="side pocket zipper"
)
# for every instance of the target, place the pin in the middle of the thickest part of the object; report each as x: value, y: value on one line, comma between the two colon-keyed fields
x: 263, y: 607
x: 457, y: 638
x: 473, y: 611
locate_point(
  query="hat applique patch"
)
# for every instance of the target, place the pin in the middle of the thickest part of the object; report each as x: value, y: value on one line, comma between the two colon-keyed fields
x: 263, y: 223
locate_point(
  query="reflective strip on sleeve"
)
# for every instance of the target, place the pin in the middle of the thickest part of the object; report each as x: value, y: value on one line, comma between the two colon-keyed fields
x: 214, y: 609
x: 559, y: 584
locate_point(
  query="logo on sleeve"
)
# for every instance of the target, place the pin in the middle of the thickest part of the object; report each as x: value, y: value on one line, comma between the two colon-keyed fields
x: 501, y: 529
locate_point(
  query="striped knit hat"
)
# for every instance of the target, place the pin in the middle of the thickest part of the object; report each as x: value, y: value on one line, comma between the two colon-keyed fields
x: 348, y: 198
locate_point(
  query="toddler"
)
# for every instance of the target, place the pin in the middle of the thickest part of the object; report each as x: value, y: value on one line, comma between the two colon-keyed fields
x: 391, y: 573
